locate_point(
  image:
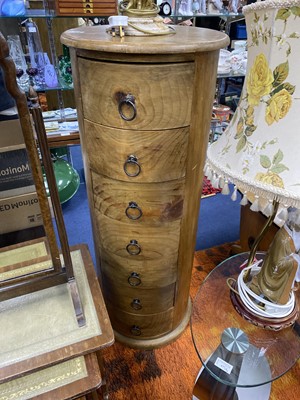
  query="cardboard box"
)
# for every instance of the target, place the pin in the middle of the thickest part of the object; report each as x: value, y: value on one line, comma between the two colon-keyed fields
x: 11, y: 133
x: 15, y: 172
x: 19, y: 206
x: 19, y: 212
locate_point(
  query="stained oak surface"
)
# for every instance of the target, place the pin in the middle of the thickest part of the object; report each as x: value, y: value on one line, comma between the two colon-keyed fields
x: 160, y: 154
x: 151, y: 85
x: 185, y: 41
x: 170, y: 82
x: 158, y: 203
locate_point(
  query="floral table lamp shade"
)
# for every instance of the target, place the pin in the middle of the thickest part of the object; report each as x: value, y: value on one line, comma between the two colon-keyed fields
x: 259, y: 154
x: 259, y: 151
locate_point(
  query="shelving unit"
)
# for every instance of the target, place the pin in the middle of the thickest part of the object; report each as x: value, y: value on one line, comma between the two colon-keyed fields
x: 52, y: 22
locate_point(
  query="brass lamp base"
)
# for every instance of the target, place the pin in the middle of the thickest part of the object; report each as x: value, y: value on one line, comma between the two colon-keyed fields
x: 274, y: 324
x: 138, y: 12
x: 143, y: 19
x: 147, y: 26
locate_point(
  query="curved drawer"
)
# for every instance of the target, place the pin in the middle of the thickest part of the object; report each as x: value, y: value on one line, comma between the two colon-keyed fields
x: 161, y: 92
x: 140, y: 326
x: 152, y: 243
x: 138, y: 203
x: 161, y: 156
x: 136, y: 300
x: 149, y: 274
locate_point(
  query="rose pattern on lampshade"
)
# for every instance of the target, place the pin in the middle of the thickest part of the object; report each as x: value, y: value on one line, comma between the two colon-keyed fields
x: 258, y: 150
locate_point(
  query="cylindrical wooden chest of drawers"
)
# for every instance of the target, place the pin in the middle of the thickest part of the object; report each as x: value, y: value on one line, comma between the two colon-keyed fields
x: 144, y: 107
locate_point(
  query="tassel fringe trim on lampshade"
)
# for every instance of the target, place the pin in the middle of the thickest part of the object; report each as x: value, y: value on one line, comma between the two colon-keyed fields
x: 261, y: 192
x: 257, y: 153
x: 275, y: 4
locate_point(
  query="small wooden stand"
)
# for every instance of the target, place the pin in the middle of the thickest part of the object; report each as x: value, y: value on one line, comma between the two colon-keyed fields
x: 52, y: 357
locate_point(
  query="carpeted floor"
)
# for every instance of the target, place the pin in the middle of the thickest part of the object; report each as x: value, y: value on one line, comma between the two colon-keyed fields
x: 169, y: 373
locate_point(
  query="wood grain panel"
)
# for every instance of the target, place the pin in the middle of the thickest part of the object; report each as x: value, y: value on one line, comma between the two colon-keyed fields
x: 172, y: 82
x: 157, y: 203
x: 156, y: 90
x: 160, y: 154
x: 187, y: 42
x: 205, y: 76
x: 151, y: 300
x: 114, y: 236
x: 151, y: 325
x: 153, y: 274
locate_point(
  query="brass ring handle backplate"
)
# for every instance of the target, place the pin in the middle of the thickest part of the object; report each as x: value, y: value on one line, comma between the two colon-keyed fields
x: 131, y: 166
x: 133, y: 248
x: 134, y: 279
x: 136, y: 304
x: 136, y: 330
x: 133, y: 211
x: 127, y: 101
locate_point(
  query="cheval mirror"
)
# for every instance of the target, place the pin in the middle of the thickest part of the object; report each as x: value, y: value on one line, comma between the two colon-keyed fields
x: 36, y: 270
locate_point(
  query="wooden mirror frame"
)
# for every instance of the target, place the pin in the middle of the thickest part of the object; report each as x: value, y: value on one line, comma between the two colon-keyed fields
x: 35, y: 140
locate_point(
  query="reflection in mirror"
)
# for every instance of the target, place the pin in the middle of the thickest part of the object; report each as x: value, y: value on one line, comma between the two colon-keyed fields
x: 20, y: 212
x: 25, y: 266
x: 21, y: 218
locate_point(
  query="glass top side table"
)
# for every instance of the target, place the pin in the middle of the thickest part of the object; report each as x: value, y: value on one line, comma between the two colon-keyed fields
x: 234, y: 351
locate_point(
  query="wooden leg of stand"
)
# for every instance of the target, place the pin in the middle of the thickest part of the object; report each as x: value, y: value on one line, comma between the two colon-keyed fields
x: 103, y: 389
x: 92, y: 396
x: 77, y: 303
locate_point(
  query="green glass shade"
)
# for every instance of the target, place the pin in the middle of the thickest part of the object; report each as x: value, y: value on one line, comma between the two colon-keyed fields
x: 67, y: 180
x: 58, y: 152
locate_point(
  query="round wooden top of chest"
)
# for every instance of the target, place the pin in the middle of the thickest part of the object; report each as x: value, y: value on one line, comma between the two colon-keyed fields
x: 185, y: 40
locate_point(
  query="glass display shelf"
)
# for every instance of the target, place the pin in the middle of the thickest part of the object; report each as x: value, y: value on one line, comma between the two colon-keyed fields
x: 48, y: 89
x: 37, y: 13
x: 231, y: 74
x: 66, y: 87
x: 49, y: 14
x: 44, y: 13
x: 261, y: 355
x: 220, y: 15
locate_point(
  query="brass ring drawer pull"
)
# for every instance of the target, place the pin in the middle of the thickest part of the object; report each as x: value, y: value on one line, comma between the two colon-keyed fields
x: 136, y: 304
x: 136, y: 330
x: 131, y: 166
x: 133, y: 248
x: 134, y: 279
x: 133, y: 211
x: 127, y: 101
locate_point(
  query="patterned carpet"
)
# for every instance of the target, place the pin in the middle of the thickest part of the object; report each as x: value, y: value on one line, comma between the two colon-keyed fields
x: 169, y: 373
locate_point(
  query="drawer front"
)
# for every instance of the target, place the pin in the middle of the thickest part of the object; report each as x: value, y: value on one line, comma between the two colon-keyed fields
x: 140, y: 326
x: 141, y: 242
x: 138, y: 203
x: 136, y: 273
x: 136, y: 300
x: 131, y: 96
x: 150, y: 156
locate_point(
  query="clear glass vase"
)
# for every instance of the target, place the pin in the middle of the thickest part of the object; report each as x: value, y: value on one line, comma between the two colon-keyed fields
x: 16, y: 53
x: 36, y: 53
